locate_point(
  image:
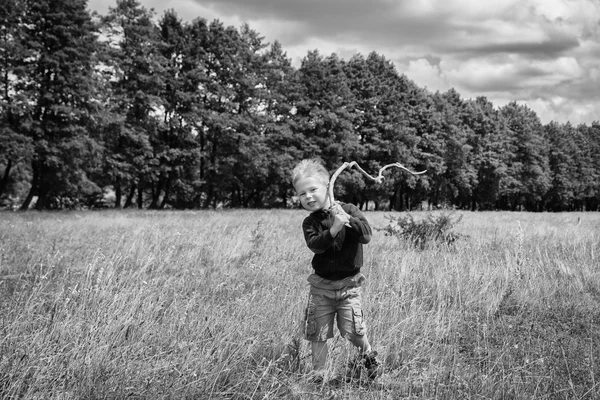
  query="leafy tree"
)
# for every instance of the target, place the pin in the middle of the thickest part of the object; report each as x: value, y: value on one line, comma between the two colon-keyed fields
x: 217, y: 135
x: 428, y: 124
x: 588, y: 166
x: 174, y: 145
x: 282, y: 142
x: 134, y: 68
x: 460, y: 176
x: 383, y: 106
x: 15, y: 147
x: 229, y: 106
x: 57, y: 81
x: 199, y: 114
x: 528, y: 177
x: 488, y: 142
x: 368, y: 90
x: 417, y: 105
x: 562, y: 166
x: 250, y: 170
x: 185, y: 103
x: 325, y: 114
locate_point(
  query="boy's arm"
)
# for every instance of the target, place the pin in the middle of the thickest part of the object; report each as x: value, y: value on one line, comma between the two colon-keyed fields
x: 358, y: 222
x: 316, y: 240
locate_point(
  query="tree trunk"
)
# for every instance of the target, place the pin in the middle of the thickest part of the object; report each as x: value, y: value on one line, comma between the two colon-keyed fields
x: 4, y: 181
x: 118, y: 192
x: 515, y: 203
x: 156, y: 190
x: 140, y: 195
x: 129, y: 200
x: 235, y: 197
x: 34, y: 188
x: 399, y: 206
x: 209, y: 196
x: 43, y: 190
x: 393, y: 200
x: 283, y: 194
x: 256, y: 199
x: 165, y: 198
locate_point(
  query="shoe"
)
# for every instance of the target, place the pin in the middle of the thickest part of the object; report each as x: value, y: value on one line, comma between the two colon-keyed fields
x: 315, y: 378
x: 336, y: 382
x: 372, y: 365
x: 364, y: 362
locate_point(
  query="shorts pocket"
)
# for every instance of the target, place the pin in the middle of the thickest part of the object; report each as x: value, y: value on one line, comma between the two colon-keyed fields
x: 359, y: 324
x: 310, y: 324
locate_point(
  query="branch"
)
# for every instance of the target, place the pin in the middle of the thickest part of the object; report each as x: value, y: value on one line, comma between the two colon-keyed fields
x: 378, y: 179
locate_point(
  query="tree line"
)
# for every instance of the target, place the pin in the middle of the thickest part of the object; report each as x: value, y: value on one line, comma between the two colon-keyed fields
x: 171, y: 114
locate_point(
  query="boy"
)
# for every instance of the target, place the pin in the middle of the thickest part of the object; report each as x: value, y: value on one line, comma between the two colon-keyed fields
x: 335, y: 233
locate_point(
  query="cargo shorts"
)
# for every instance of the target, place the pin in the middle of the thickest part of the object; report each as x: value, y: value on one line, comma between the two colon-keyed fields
x: 334, y: 299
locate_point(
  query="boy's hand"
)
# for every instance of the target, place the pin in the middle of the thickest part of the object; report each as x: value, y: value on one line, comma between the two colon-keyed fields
x: 339, y: 221
x: 337, y: 209
x: 341, y: 218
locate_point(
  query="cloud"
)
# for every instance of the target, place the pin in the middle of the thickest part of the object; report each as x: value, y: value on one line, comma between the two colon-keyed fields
x: 427, y: 74
x: 513, y: 74
x: 545, y: 53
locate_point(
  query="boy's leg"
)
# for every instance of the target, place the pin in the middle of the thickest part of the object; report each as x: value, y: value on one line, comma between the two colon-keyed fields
x: 362, y: 342
x: 319, y: 316
x: 350, y: 318
x: 352, y: 326
x: 319, y: 351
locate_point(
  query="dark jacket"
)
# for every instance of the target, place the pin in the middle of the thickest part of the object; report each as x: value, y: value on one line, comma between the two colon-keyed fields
x: 342, y: 256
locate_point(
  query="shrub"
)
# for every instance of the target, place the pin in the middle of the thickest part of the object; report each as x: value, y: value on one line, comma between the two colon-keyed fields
x: 432, y: 228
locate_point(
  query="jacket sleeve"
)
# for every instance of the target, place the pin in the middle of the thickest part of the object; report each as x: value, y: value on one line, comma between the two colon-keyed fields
x: 317, y: 240
x: 358, y: 222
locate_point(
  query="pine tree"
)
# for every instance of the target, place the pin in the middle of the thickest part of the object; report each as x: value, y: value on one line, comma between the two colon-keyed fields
x: 283, y: 142
x: 488, y: 144
x: 15, y: 147
x: 528, y: 173
x: 563, y: 168
x: 135, y: 69
x: 58, y: 82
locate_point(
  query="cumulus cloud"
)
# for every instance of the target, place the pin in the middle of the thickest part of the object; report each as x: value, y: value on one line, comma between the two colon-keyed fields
x: 545, y: 53
x: 427, y: 74
x: 512, y: 73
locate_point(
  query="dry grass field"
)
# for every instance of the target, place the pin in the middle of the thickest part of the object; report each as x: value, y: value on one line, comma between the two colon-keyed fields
x: 206, y: 305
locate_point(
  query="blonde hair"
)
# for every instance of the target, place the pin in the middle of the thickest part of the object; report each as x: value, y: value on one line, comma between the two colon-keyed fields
x: 310, y: 167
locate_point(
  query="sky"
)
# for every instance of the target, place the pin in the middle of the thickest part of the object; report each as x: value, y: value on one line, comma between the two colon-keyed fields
x: 542, y: 53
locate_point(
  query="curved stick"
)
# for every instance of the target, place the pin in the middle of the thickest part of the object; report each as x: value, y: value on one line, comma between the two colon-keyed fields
x: 378, y: 179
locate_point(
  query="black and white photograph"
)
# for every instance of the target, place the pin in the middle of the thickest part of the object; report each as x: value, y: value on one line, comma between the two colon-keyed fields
x: 299, y: 199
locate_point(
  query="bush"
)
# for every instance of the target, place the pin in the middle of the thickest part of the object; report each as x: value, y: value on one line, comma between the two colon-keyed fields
x: 433, y: 228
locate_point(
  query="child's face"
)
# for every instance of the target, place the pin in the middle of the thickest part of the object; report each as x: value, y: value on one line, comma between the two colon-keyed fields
x: 312, y: 193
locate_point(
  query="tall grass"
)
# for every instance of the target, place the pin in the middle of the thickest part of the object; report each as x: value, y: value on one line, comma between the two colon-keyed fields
x: 207, y: 305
